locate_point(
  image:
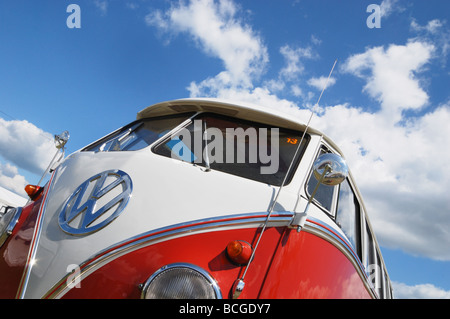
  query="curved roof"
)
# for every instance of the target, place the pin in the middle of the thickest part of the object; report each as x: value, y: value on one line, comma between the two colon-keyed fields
x: 242, y: 110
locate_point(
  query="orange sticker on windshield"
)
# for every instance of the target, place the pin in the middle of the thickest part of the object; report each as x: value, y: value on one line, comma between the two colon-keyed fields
x: 291, y: 140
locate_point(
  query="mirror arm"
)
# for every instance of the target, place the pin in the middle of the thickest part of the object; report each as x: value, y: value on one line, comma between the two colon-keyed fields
x: 299, y: 219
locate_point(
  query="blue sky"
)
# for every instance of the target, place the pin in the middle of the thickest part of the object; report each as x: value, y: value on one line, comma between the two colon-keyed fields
x: 387, y: 104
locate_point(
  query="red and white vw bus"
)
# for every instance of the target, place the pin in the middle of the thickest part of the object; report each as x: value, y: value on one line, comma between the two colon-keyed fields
x: 198, y: 198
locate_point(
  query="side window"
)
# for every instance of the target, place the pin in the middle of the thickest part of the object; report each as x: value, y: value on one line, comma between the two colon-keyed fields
x: 348, y: 215
x: 369, y: 255
x: 325, y: 193
x: 372, y: 262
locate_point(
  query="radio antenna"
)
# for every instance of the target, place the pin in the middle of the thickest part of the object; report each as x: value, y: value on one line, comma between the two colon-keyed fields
x: 239, y: 284
x: 318, y: 101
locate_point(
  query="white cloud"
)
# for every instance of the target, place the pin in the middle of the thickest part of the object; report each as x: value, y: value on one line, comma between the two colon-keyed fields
x: 102, y: 5
x: 11, y: 179
x: 398, y: 167
x: 399, y: 171
x: 293, y: 57
x: 320, y: 82
x: 436, y: 31
x: 132, y: 5
x: 219, y: 32
x: 157, y: 19
x: 296, y: 90
x: 424, y: 291
x: 387, y: 7
x: 432, y: 26
x: 390, y: 76
x: 25, y: 145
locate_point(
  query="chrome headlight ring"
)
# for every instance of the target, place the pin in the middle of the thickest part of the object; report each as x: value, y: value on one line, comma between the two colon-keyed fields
x: 181, y: 281
x: 8, y: 221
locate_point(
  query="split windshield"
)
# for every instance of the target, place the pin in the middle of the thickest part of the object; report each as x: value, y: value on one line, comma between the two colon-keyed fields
x: 138, y: 135
x: 242, y: 148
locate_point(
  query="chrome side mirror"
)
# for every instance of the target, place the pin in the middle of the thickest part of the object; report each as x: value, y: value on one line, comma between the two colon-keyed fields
x: 330, y: 169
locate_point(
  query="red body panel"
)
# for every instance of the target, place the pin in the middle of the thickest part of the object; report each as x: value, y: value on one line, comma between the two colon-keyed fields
x: 14, y: 252
x: 308, y: 266
x: 287, y: 265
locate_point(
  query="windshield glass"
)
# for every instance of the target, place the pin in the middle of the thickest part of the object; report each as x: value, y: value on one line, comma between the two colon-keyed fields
x: 246, y: 149
x: 138, y: 134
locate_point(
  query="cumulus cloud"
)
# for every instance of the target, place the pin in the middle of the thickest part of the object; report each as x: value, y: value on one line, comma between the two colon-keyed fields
x: 436, y: 31
x: 387, y: 7
x: 26, y: 145
x: 11, y: 179
x: 390, y: 76
x: 319, y: 83
x: 397, y: 170
x: 424, y: 291
x: 293, y: 57
x: 102, y: 5
x: 219, y: 32
x: 432, y: 26
x: 396, y: 159
x: 23, y: 146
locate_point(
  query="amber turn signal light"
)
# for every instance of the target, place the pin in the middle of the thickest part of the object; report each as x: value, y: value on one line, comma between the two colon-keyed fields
x: 33, y: 191
x: 239, y: 252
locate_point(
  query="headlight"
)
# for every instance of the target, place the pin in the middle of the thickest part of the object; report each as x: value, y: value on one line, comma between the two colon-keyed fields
x: 181, y: 281
x: 7, y: 222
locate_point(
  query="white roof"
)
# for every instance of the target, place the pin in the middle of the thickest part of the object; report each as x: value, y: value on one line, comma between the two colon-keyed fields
x: 8, y: 198
x: 242, y: 110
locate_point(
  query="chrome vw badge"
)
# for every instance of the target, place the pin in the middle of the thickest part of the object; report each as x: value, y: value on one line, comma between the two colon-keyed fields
x: 96, y: 203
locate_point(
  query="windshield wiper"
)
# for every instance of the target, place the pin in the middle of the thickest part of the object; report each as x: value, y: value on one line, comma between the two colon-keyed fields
x: 115, y: 144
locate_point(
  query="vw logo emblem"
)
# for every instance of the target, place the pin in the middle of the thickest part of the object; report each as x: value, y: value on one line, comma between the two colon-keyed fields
x: 96, y: 203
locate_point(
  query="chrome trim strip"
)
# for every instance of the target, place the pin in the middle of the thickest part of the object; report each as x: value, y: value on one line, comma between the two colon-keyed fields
x: 34, y: 243
x: 198, y: 269
x: 254, y: 220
